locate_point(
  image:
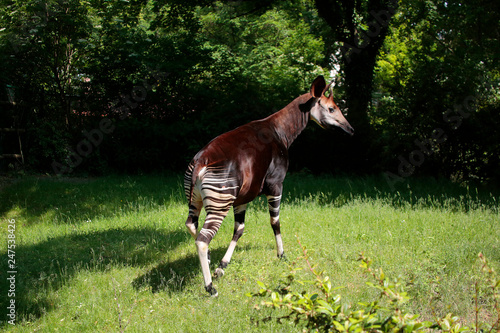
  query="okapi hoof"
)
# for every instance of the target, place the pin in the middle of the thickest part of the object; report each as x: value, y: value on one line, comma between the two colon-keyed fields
x: 211, y: 290
x: 219, y: 272
x: 283, y: 257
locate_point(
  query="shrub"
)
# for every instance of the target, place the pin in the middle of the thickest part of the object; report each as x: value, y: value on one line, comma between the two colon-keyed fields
x: 47, y: 142
x: 323, y: 311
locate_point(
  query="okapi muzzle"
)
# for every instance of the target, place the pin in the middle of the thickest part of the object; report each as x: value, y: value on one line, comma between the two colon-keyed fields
x: 251, y: 160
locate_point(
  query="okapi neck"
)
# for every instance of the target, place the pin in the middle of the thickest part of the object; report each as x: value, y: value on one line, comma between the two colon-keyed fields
x: 290, y: 121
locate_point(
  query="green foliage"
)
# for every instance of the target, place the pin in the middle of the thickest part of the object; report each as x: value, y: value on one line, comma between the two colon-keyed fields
x: 50, y: 144
x: 272, y: 53
x: 43, y: 44
x: 228, y: 62
x: 322, y: 310
x: 437, y: 58
x: 223, y: 65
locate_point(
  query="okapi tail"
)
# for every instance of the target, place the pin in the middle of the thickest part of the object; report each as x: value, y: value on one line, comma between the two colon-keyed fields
x: 190, y: 178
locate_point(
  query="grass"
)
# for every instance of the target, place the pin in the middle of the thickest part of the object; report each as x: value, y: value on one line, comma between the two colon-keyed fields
x: 113, y: 254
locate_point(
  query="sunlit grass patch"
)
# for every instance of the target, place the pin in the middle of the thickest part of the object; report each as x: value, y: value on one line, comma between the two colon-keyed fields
x: 83, y: 247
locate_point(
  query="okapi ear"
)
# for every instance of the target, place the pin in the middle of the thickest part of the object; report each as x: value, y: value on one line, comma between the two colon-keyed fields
x: 318, y: 86
x: 328, y: 90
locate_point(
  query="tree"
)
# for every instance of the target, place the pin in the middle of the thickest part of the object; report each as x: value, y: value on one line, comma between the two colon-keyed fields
x: 438, y: 70
x: 360, y: 28
x: 44, y: 42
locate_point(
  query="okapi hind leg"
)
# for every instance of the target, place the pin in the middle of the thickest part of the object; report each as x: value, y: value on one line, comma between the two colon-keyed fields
x: 212, y: 223
x: 205, y: 267
x: 239, y: 226
x: 192, y: 222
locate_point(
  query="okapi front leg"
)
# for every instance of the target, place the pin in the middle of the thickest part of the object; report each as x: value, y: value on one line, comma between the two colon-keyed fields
x: 274, y: 210
x: 239, y: 227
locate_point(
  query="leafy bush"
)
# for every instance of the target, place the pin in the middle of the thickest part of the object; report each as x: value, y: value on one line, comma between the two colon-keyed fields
x: 323, y: 310
x: 47, y: 142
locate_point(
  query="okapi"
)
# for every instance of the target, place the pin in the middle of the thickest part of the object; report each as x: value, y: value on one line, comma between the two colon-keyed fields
x: 237, y: 166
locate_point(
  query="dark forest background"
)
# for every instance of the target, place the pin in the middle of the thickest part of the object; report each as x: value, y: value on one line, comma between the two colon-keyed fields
x: 141, y: 85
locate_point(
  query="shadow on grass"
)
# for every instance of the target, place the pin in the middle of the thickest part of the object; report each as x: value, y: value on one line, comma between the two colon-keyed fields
x: 174, y: 276
x: 410, y: 193
x: 77, y: 200
x: 45, y: 267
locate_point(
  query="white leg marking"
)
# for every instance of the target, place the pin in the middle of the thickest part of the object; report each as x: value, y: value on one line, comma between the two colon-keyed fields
x: 279, y: 245
x: 279, y: 241
x: 232, y: 245
x: 192, y: 230
x: 203, y: 255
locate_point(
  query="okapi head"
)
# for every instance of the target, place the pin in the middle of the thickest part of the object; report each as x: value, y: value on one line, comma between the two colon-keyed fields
x: 324, y: 111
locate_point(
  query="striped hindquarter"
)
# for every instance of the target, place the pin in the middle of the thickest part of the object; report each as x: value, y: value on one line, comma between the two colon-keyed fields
x: 213, y: 188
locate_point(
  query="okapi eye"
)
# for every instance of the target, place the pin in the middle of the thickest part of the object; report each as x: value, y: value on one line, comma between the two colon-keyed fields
x: 331, y: 110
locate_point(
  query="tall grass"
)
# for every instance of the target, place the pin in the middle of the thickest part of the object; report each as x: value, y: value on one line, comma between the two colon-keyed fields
x: 113, y: 254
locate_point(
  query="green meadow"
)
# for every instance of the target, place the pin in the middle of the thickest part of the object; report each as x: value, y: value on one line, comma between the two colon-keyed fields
x: 112, y: 254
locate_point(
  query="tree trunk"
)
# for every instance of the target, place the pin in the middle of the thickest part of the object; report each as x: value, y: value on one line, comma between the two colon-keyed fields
x: 359, y: 53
